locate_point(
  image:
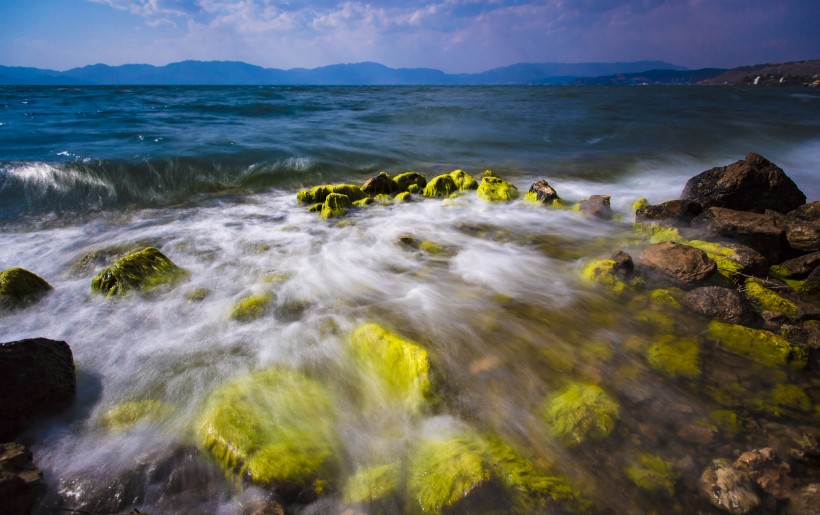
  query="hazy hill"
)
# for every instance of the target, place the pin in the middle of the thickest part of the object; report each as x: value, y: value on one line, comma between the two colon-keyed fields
x: 795, y: 72
x: 664, y: 77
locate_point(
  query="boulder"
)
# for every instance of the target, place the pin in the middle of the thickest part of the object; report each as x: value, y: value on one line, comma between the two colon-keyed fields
x: 21, y: 483
x: 673, y: 212
x: 806, y: 213
x: 496, y: 189
x: 381, y: 184
x: 411, y: 182
x: 609, y: 274
x: 318, y: 194
x: 797, y: 268
x: 752, y: 184
x: 142, y: 270
x: 336, y: 204
x: 37, y: 379
x: 463, y: 180
x: 735, y: 262
x: 771, y: 474
x: 674, y: 357
x: 440, y: 186
x: 543, y: 193
x: 20, y: 288
x: 596, y: 206
x: 764, y: 232
x: 681, y: 264
x: 624, y: 266
x: 580, y: 412
x: 727, y: 488
x: 718, y: 303
x: 802, y: 236
x: 775, y: 296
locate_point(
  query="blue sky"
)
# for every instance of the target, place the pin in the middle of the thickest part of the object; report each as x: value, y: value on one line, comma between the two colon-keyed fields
x: 452, y: 35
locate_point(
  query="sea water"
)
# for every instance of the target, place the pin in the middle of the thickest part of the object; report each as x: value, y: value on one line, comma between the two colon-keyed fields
x: 209, y: 176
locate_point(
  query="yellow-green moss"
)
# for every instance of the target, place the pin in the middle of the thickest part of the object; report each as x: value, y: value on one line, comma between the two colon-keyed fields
x: 495, y: 189
x: 198, y: 294
x: 404, y: 196
x: 371, y: 484
x: 664, y: 298
x: 19, y: 288
x: 431, y: 247
x: 415, y: 189
x: 127, y: 414
x: 653, y: 473
x: 766, y: 299
x: 141, y: 270
x: 336, y: 204
x: 788, y: 397
x: 602, y: 272
x: 724, y: 257
x: 726, y: 421
x: 655, y: 233
x: 275, y: 426
x: 360, y: 203
x: 252, y: 307
x: 463, y: 180
x: 580, y: 412
x: 675, y: 357
x: 409, y: 181
x: 319, y: 194
x: 440, y: 186
x: 641, y: 202
x: 758, y: 345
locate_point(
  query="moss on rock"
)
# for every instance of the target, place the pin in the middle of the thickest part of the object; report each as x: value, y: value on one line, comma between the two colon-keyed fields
x: 758, y: 345
x: 20, y: 288
x: 407, y: 180
x: 653, y: 473
x: 318, y: 194
x: 404, y: 196
x: 580, y: 412
x: 726, y: 421
x: 440, y: 186
x: 603, y: 273
x: 336, y: 204
x: 198, y: 294
x: 252, y: 307
x: 463, y: 180
x: 766, y: 299
x: 141, y: 270
x: 788, y: 397
x: 370, y: 484
x: 127, y: 414
x: 675, y: 357
x: 495, y: 189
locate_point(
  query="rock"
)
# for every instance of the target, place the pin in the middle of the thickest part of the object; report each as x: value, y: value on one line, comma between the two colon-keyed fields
x: 336, y: 204
x: 797, y: 268
x: 127, y: 414
x: 778, y: 298
x: 606, y: 273
x: 319, y: 194
x: 624, y: 266
x: 37, y: 379
x: 142, y: 270
x: 806, y: 213
x: 580, y: 412
x: 252, y: 307
x: 21, y: 483
x: 440, y: 186
x: 752, y: 184
x: 673, y: 212
x: 727, y: 488
x: 771, y: 474
x: 803, y: 237
x: 764, y: 233
x: 697, y: 434
x: 806, y: 501
x: 758, y: 345
x: 20, y: 288
x: 381, y: 184
x: 596, y: 206
x: 735, y: 262
x: 724, y: 304
x: 674, y: 357
x: 463, y: 180
x: 543, y: 193
x: 410, y: 182
x: 682, y: 264
x: 806, y: 449
x: 495, y: 189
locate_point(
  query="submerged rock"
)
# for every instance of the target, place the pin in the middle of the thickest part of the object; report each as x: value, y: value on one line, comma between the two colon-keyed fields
x: 37, y: 379
x: 580, y: 412
x: 495, y: 189
x: 543, y: 193
x: 675, y: 357
x: 771, y: 474
x: 752, y: 184
x: 142, y: 270
x: 596, y: 206
x: 20, y: 288
x: 126, y: 414
x: 727, y: 488
x: 805, y: 501
x: 653, y: 473
x: 381, y: 184
x: 372, y: 484
x: 21, y: 483
x: 252, y: 307
x: 724, y: 304
x: 672, y: 212
x: 608, y: 273
x: 682, y: 264
x: 758, y: 345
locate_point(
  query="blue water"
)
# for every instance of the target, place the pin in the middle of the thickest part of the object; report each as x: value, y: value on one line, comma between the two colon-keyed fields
x: 209, y: 176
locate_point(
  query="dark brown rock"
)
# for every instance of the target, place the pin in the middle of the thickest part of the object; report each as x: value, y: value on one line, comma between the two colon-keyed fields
x: 799, y: 267
x: 596, y: 206
x: 803, y: 236
x: 724, y: 304
x: 751, y: 261
x: 752, y: 184
x: 544, y: 193
x: 21, y: 483
x: 806, y: 448
x: 771, y: 474
x: 806, y: 213
x: 672, y: 212
x: 37, y: 379
x: 680, y: 263
x: 381, y: 184
x: 727, y: 488
x: 764, y: 233
x: 624, y: 266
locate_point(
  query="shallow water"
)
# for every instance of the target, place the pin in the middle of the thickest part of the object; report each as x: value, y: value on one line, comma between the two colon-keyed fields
x: 209, y: 176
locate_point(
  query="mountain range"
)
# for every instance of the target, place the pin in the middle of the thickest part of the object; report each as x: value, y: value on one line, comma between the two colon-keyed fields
x: 366, y: 73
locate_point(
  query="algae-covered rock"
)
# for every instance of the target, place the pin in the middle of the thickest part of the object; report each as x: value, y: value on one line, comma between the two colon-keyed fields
x: 581, y: 412
x: 198, y: 294
x: 319, y: 194
x: 734, y: 261
x: 495, y: 189
x: 394, y: 369
x: 404, y: 196
x: 141, y: 270
x: 541, y: 192
x: 20, y: 288
x: 758, y: 345
x: 652, y: 472
x: 766, y: 299
x: 726, y: 421
x: 127, y: 414
x: 370, y: 484
x: 596, y: 206
x: 335, y: 205
x: 381, y: 184
x: 604, y: 272
x: 407, y: 180
x: 785, y: 397
x: 675, y: 357
x: 277, y: 428
x: 440, y: 186
x: 252, y: 307
x: 463, y: 180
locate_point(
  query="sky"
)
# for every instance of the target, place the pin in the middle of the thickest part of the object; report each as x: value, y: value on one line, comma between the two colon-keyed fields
x: 451, y: 35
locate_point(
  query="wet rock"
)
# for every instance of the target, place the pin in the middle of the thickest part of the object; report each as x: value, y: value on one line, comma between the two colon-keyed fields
x: 771, y: 474
x: 37, y: 379
x: 262, y: 507
x: 410, y: 182
x: 21, y: 483
x: 440, y: 186
x: 543, y: 193
x: 463, y: 180
x: 734, y: 261
x: 624, y: 266
x: 318, y: 194
x: 777, y: 297
x: 724, y: 304
x: 806, y: 213
x: 142, y: 270
x: 335, y: 205
x: 681, y: 264
x: 758, y: 345
x: 604, y: 273
x: 727, y: 488
x: 806, y: 501
x: 752, y: 184
x: 672, y: 212
x: 764, y: 233
x: 651, y: 472
x: 596, y: 206
x: 381, y: 184
x: 797, y: 268
x: 496, y: 189
x: 803, y: 236
x: 20, y: 288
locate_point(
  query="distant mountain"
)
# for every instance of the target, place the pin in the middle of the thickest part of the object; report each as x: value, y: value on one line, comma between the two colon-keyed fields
x: 791, y: 73
x: 366, y: 73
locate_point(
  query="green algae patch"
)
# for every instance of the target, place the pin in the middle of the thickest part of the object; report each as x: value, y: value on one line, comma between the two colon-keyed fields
x: 198, y: 294
x: 404, y: 196
x: 440, y: 186
x: 141, y: 270
x: 394, y: 368
x: 532, y: 196
x: 724, y: 257
x: 463, y: 180
x: 276, y: 427
x: 766, y: 299
x: 639, y: 203
x: 786, y: 397
x: 653, y: 473
x: 336, y: 204
x: 675, y: 357
x: 656, y: 233
x: 495, y: 189
x: 318, y: 194
x: 359, y: 203
x: 252, y: 307
x: 20, y: 288
x: 127, y: 414
x: 665, y: 298
x: 758, y: 345
x: 580, y: 412
x: 726, y: 421
x: 410, y: 180
x: 373, y: 483
x: 602, y: 272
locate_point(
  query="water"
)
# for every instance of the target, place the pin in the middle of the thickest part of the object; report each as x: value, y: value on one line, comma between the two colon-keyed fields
x: 209, y: 176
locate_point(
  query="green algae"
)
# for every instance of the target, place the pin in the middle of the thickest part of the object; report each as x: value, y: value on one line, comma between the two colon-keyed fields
x: 639, y: 203
x: 602, y: 272
x: 495, y: 189
x: 198, y: 294
x: 580, y: 412
x: 404, y: 196
x: 359, y: 203
x: 20, y: 288
x: 532, y: 196
x: 374, y: 483
x: 665, y: 298
x: 141, y: 270
x: 336, y: 204
x: 724, y: 257
x: 127, y: 414
x: 785, y: 397
x: 656, y: 233
x: 766, y: 299
x: 318, y: 194
x: 675, y: 357
x: 653, y: 473
x: 758, y: 345
x: 252, y: 307
x: 407, y: 180
x: 440, y: 186
x: 463, y: 180
x: 276, y: 426
x: 726, y: 421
